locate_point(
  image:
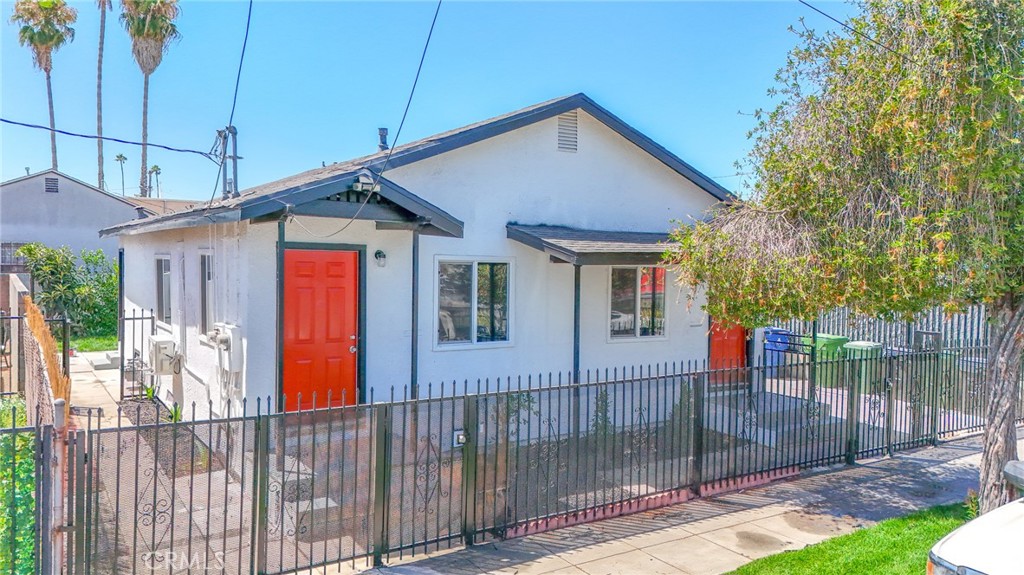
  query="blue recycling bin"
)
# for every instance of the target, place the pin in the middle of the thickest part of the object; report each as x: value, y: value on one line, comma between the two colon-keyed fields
x: 776, y: 344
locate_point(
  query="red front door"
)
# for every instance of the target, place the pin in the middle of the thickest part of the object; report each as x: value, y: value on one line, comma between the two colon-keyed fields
x: 321, y: 319
x: 728, y: 347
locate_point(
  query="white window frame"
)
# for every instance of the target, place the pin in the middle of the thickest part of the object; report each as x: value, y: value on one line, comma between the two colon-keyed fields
x: 206, y: 292
x: 473, y: 344
x: 636, y: 309
x: 158, y: 315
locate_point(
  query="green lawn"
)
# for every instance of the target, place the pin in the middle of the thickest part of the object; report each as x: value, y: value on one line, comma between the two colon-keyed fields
x: 894, y: 546
x: 94, y: 343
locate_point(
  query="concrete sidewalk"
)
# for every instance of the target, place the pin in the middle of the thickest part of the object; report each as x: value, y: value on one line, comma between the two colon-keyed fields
x: 718, y: 534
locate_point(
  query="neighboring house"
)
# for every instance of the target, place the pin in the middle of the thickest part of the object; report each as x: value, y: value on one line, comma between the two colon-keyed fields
x: 527, y: 243
x: 56, y: 209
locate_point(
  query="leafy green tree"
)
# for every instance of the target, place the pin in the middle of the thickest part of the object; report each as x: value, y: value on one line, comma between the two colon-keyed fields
x: 45, y: 26
x: 85, y: 292
x: 889, y: 178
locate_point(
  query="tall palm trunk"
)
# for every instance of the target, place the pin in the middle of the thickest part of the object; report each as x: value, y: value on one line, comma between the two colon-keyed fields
x: 143, y: 188
x: 99, y: 100
x: 1002, y: 374
x: 53, y: 126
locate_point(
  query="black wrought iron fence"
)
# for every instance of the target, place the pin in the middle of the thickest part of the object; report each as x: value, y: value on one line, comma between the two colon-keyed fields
x: 278, y: 492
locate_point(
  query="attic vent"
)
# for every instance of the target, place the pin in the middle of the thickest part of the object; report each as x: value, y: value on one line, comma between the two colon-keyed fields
x: 50, y: 185
x: 567, y: 131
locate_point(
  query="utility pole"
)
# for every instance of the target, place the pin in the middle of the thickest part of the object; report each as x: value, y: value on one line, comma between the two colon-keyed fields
x: 222, y: 136
x: 234, y: 161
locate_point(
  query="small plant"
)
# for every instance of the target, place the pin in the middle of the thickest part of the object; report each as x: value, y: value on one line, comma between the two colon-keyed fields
x: 971, y: 505
x: 150, y: 391
x: 601, y: 423
x: 175, y: 414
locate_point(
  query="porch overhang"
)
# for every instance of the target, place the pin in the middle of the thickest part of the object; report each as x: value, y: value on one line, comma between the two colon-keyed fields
x: 347, y: 195
x: 591, y: 247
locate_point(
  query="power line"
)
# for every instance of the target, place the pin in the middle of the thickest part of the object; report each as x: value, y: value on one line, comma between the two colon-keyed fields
x: 398, y: 133
x: 238, y: 77
x: 855, y: 31
x: 108, y: 139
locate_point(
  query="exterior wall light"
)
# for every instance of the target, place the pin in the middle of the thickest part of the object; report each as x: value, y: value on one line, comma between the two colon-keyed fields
x: 381, y: 257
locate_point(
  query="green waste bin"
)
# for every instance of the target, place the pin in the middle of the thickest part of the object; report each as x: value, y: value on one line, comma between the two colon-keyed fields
x: 866, y: 372
x: 828, y: 372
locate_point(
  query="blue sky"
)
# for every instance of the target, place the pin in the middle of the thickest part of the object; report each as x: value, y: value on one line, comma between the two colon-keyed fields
x: 321, y: 77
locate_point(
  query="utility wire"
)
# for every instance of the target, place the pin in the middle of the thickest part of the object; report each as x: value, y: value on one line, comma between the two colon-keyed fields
x: 94, y: 137
x: 855, y: 31
x: 234, y: 102
x: 384, y: 166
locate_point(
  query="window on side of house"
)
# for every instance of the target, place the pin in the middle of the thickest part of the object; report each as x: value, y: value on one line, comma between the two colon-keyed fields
x: 473, y: 302
x: 163, y: 289
x: 637, y: 302
x: 205, y: 293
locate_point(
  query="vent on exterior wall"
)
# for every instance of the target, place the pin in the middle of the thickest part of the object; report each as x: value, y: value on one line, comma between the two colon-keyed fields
x: 50, y: 185
x: 567, y: 131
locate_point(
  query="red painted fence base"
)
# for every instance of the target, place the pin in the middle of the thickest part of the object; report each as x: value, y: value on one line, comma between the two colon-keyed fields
x: 649, y: 502
x: 747, y: 481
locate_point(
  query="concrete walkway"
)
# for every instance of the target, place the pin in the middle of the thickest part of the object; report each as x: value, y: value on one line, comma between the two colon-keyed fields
x: 719, y: 534
x: 92, y: 390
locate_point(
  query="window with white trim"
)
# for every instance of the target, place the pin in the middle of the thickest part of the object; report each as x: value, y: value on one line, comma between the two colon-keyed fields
x: 163, y: 289
x: 472, y: 302
x: 205, y: 293
x: 637, y: 302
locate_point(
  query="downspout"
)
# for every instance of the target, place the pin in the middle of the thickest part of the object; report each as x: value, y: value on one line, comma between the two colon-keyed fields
x: 120, y: 317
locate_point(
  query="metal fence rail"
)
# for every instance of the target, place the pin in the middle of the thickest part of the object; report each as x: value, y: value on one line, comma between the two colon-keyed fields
x: 279, y: 492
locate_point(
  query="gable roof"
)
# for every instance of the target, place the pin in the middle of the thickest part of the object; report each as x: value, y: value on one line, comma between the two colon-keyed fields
x: 446, y: 141
x: 293, y: 187
x: 54, y: 172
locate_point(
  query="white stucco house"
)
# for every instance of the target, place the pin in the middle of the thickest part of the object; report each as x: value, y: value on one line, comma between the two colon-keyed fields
x: 526, y: 243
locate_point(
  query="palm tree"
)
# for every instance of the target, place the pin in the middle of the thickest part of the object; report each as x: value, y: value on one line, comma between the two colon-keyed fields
x: 121, y: 159
x: 104, y: 5
x: 154, y: 172
x: 150, y: 23
x: 45, y: 27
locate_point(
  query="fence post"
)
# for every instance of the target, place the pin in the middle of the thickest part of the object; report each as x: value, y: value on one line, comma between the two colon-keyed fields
x: 890, y: 419
x: 381, y: 480
x: 854, y: 369
x: 65, y: 335
x: 935, y: 383
x: 78, y: 522
x: 261, y: 474
x: 697, y: 431
x: 51, y: 491
x: 471, y: 425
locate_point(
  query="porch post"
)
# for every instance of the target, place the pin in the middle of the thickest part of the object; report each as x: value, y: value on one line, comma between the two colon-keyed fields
x: 576, y: 325
x: 414, y: 386
x: 280, y: 314
x: 576, y: 423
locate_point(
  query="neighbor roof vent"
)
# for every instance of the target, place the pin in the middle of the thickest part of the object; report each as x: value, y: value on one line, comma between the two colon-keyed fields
x: 567, y: 131
x: 50, y: 185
